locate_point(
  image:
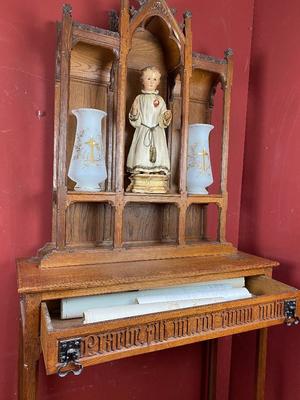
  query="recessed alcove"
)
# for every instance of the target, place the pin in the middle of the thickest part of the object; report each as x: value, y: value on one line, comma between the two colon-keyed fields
x: 155, y: 44
x: 147, y: 224
x: 202, y: 223
x: 92, y: 86
x: 89, y: 225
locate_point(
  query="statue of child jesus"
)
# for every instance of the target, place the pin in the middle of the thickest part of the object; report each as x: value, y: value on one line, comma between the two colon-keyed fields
x: 149, y: 116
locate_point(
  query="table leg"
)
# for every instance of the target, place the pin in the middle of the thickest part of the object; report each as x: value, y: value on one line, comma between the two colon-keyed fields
x: 212, y: 349
x: 261, y: 363
x: 29, y: 350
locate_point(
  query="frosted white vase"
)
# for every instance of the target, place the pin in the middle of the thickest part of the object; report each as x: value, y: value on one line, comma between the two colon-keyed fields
x: 199, y: 173
x: 87, y: 166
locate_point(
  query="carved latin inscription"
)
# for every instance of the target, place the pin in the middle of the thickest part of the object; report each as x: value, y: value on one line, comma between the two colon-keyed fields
x: 275, y: 309
x: 170, y: 329
x: 237, y: 317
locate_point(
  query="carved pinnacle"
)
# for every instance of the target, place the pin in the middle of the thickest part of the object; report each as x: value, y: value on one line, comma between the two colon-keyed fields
x: 67, y: 9
x: 187, y: 14
x: 228, y: 53
x: 132, y: 11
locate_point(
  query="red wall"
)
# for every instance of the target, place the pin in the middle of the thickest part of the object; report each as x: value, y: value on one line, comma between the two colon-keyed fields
x: 27, y: 35
x: 270, y: 212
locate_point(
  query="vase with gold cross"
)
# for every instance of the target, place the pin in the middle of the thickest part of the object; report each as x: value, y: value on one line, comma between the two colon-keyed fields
x: 87, y: 166
x: 199, y: 173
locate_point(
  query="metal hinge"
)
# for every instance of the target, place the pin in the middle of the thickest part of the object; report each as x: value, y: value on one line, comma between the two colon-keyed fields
x: 68, y: 355
x: 290, y: 307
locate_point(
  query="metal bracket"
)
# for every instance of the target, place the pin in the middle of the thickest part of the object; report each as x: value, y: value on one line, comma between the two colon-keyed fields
x: 68, y: 355
x: 290, y: 307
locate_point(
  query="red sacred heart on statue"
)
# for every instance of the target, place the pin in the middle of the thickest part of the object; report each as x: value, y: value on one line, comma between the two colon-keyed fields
x: 156, y: 102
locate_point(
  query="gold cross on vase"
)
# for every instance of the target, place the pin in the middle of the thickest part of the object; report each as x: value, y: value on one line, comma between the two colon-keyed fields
x: 204, y: 154
x: 92, y: 143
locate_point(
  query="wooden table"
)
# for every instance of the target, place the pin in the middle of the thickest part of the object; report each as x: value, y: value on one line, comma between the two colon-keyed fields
x: 42, y: 330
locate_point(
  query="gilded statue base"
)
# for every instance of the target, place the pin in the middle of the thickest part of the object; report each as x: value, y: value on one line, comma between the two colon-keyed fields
x: 148, y: 183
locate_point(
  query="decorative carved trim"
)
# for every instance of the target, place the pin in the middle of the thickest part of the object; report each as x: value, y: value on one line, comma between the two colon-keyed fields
x: 156, y: 8
x: 205, y: 57
x: 159, y: 7
x: 275, y: 309
x: 237, y: 317
x: 164, y: 330
x: 91, y: 28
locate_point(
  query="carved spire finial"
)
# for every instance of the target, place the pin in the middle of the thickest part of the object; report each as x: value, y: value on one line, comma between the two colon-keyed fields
x: 132, y: 11
x: 187, y: 14
x: 228, y: 53
x: 67, y: 9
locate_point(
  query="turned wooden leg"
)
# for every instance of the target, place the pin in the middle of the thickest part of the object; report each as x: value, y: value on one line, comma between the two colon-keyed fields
x: 219, y: 364
x: 261, y: 363
x: 29, y: 350
x: 212, y: 349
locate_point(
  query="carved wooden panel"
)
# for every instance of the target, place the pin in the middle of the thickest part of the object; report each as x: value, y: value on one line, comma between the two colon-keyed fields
x: 89, y: 224
x: 141, y: 224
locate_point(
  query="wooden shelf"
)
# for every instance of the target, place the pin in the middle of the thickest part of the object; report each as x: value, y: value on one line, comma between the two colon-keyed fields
x: 152, y: 198
x: 205, y: 199
x: 85, y: 197
x: 110, y: 197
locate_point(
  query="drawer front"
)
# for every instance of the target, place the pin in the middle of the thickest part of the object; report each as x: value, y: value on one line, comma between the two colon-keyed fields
x: 106, y: 341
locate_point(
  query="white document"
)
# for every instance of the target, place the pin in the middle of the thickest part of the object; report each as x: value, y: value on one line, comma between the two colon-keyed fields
x: 116, y: 312
x: 208, y: 291
x: 133, y: 310
x: 74, y: 307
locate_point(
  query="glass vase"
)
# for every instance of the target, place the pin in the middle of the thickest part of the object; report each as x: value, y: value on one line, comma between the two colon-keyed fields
x: 87, y: 166
x: 199, y: 173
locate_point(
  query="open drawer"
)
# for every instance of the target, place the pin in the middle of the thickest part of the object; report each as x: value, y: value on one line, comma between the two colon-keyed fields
x: 273, y: 303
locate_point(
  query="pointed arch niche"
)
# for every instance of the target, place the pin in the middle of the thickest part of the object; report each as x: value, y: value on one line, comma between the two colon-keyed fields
x: 155, y: 39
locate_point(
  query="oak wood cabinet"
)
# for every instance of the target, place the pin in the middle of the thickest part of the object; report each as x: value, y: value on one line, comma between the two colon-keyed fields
x: 115, y: 241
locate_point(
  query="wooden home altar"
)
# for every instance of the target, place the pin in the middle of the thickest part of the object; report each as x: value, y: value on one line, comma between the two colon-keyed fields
x: 111, y: 240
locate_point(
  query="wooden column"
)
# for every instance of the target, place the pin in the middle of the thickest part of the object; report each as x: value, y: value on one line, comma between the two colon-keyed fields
x: 261, y: 362
x: 121, y: 111
x: 212, y: 350
x: 121, y: 105
x: 225, y: 140
x: 182, y: 209
x: 29, y: 353
x: 65, y: 52
x: 187, y: 73
x: 222, y: 212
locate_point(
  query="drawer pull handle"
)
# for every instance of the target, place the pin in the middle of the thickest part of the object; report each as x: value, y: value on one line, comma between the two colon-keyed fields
x: 69, y: 354
x: 75, y: 370
x: 290, y: 308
